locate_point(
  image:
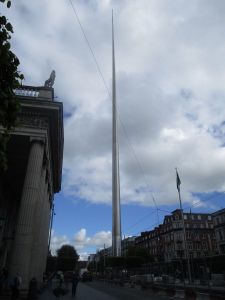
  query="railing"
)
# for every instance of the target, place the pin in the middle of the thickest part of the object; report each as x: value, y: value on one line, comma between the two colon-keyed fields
x: 27, y: 92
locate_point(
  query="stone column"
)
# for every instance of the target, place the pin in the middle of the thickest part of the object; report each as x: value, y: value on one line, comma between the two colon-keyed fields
x: 40, y: 269
x: 23, y: 236
x: 37, y: 233
x: 45, y: 232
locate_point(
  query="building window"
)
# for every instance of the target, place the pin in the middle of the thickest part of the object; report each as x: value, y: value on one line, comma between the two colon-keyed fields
x: 190, y: 246
x: 185, y: 217
x: 204, y: 246
x: 188, y: 235
x: 176, y: 217
x: 220, y: 234
x: 199, y: 217
x: 209, y: 218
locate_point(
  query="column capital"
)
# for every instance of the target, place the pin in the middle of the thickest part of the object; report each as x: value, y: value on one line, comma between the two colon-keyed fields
x: 37, y: 139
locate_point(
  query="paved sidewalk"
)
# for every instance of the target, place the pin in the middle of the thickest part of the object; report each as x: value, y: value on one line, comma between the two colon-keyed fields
x: 84, y: 292
x: 104, y: 291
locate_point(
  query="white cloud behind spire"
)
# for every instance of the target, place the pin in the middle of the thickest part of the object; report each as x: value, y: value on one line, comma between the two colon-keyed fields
x: 170, y: 93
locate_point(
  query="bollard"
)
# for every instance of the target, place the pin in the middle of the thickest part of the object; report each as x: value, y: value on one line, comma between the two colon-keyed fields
x: 180, y: 294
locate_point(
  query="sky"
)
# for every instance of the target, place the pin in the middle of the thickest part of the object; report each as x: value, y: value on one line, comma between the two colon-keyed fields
x: 170, y: 73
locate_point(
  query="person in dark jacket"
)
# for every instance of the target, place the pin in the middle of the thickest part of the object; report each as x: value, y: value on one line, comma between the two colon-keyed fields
x: 32, y: 292
x: 16, y: 284
x: 75, y: 280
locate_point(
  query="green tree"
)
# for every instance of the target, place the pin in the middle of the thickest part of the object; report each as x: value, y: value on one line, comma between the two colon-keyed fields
x: 114, y: 261
x: 92, y: 266
x: 137, y: 256
x: 9, y: 80
x: 67, y: 258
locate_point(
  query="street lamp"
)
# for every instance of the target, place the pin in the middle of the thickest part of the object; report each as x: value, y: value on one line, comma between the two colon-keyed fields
x: 50, y: 234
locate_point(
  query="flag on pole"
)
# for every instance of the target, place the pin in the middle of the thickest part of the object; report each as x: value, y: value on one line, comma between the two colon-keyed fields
x: 178, y: 182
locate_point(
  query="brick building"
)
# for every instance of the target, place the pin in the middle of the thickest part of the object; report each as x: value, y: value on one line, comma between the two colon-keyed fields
x: 219, y: 226
x: 165, y: 242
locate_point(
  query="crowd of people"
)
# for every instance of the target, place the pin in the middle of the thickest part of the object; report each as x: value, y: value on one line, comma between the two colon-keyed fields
x: 7, y: 283
x: 64, y: 284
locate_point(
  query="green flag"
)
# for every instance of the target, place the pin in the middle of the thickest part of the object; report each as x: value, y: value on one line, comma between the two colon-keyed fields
x: 178, y: 182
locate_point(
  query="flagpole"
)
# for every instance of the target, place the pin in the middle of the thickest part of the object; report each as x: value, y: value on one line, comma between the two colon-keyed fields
x: 184, y: 230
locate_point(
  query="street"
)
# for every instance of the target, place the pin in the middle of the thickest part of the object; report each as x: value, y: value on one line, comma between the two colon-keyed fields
x: 104, y: 291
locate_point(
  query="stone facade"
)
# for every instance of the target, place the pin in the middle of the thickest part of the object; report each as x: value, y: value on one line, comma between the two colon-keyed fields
x: 27, y: 188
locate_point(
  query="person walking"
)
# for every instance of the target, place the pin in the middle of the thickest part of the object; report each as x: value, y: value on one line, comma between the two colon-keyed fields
x: 61, y: 279
x: 32, y: 291
x: 17, y: 280
x: 75, y: 280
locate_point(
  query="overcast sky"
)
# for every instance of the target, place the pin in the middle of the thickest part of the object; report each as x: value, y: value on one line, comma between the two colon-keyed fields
x: 170, y: 70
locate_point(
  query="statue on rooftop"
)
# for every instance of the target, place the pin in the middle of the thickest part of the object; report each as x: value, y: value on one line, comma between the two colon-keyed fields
x: 49, y: 82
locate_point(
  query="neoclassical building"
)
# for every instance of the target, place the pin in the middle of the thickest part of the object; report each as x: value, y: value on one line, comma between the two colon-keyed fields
x: 27, y: 188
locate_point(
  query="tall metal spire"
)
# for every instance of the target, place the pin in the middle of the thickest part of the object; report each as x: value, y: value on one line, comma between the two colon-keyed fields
x: 116, y: 218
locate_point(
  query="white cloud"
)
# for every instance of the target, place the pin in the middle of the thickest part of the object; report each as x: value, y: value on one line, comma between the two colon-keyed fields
x: 83, y: 244
x: 170, y: 88
x: 58, y: 241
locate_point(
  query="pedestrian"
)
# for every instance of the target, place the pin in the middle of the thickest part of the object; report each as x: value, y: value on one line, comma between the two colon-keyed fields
x: 75, y: 280
x: 16, y: 284
x: 61, y: 279
x: 32, y: 292
x: 1, y: 282
x: 4, y: 274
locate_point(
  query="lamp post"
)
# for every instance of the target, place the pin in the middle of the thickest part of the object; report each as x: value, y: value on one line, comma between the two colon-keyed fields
x: 104, y: 261
x: 50, y: 233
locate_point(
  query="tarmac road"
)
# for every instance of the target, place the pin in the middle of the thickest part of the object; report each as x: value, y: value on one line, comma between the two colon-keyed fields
x: 103, y: 291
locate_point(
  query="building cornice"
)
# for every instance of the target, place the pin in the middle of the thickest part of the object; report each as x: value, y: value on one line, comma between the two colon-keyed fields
x: 42, y: 114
